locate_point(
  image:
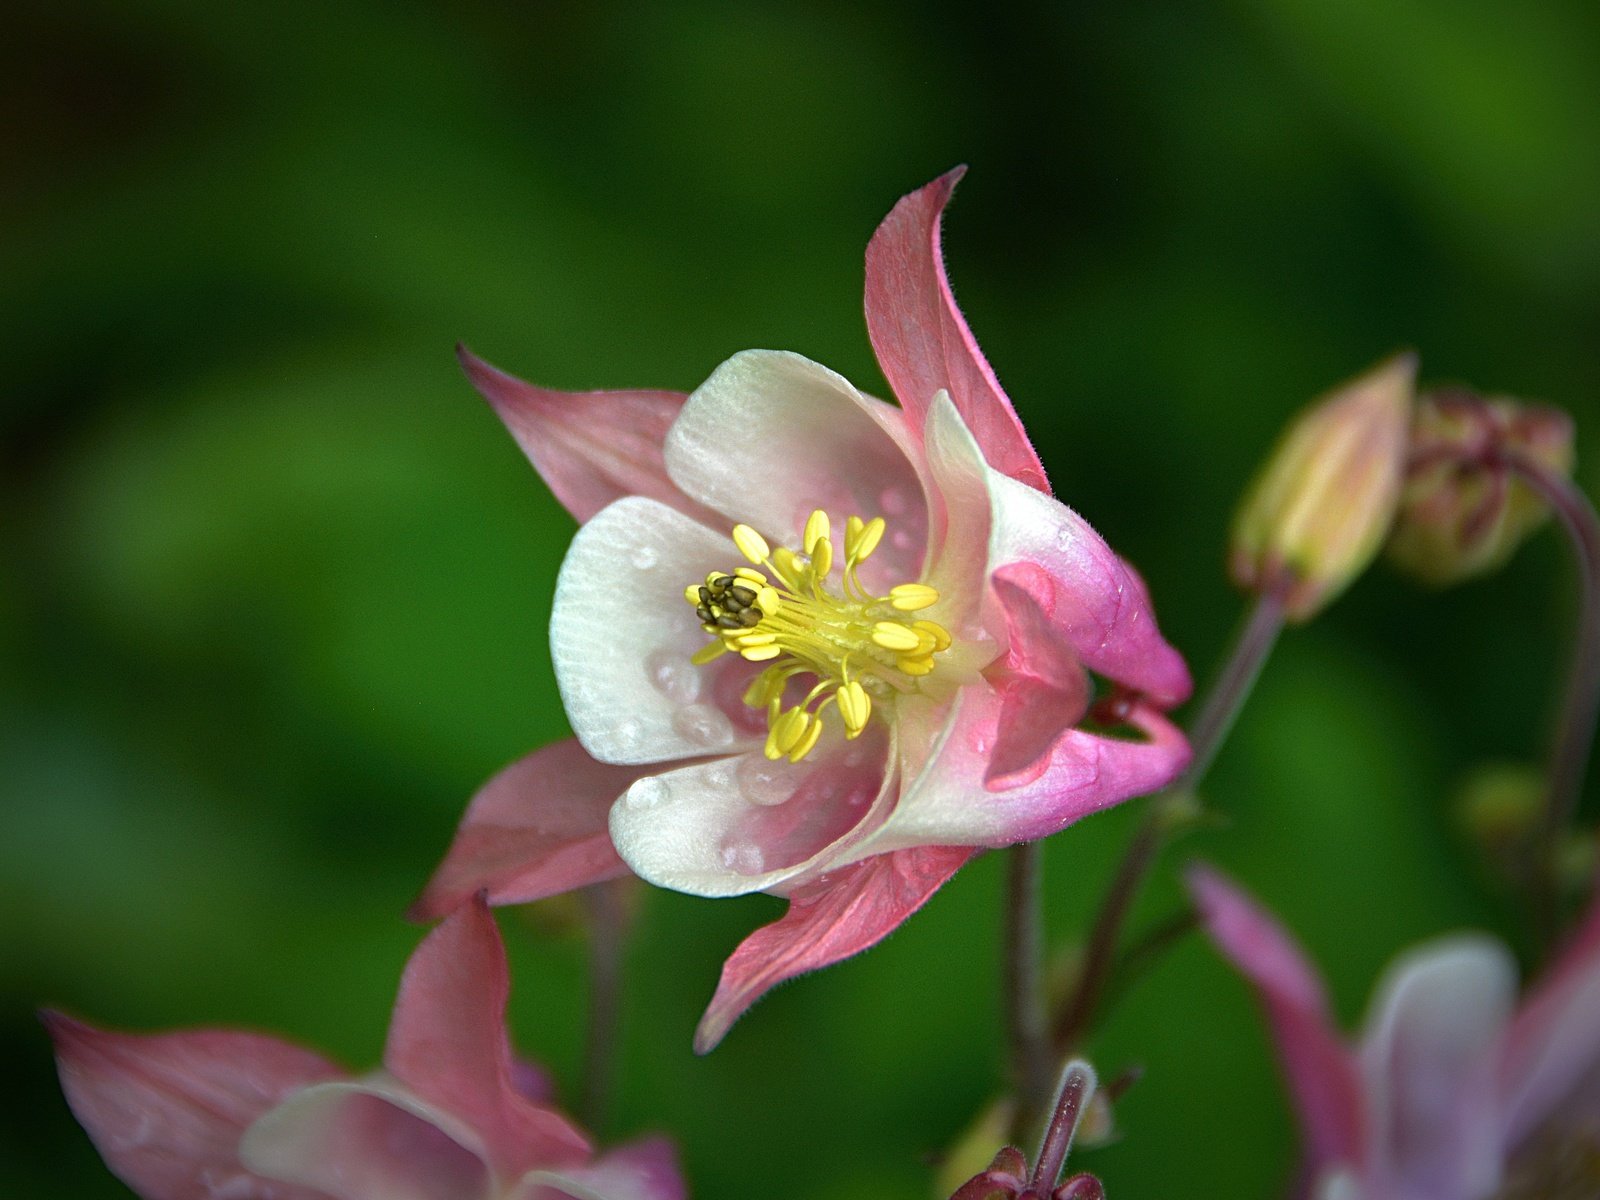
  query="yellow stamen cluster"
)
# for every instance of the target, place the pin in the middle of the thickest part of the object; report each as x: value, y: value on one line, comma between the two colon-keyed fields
x: 856, y: 645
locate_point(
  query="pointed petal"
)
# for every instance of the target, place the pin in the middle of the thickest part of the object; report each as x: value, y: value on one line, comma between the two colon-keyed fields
x: 590, y: 448
x: 738, y: 825
x: 621, y: 637
x: 771, y: 435
x: 166, y: 1111
x: 948, y: 802
x: 536, y: 829
x: 643, y: 1170
x: 831, y: 919
x: 356, y: 1141
x: 1552, y: 1049
x: 447, y: 1046
x: 1429, y: 1058
x: 923, y: 343
x: 1320, y: 1071
x: 1043, y: 689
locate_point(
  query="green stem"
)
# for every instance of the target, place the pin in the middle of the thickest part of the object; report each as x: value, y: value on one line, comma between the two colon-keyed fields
x: 1024, y: 987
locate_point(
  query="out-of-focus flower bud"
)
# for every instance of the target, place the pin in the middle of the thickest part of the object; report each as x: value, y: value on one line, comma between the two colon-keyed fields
x: 1499, y: 807
x: 1463, y: 511
x: 1320, y: 508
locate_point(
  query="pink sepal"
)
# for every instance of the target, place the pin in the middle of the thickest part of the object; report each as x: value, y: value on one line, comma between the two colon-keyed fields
x: 590, y: 448
x: 642, y: 1170
x: 166, y: 1111
x: 1042, y: 686
x: 447, y: 1045
x: 838, y: 915
x: 922, y: 341
x: 536, y: 829
x: 1321, y: 1071
x: 1550, y: 1057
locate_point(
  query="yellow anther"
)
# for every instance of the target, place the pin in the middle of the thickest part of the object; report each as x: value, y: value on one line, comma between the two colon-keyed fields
x: 768, y: 602
x: 909, y: 597
x: 753, y: 575
x: 816, y: 529
x: 754, y: 637
x: 821, y: 559
x: 892, y: 635
x: 787, y: 730
x: 751, y: 544
x: 787, y: 564
x: 761, y: 653
x: 808, y: 739
x: 866, y: 540
x: 939, y: 634
x: 916, y: 666
x: 692, y: 593
x: 855, y: 706
x: 711, y: 650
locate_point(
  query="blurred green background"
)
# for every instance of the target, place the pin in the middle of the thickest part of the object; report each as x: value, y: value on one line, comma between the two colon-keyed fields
x: 274, y: 584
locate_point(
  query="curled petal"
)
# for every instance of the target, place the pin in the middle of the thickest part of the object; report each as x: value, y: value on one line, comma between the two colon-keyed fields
x: 167, y: 1111
x: 837, y: 915
x: 359, y: 1140
x: 1320, y: 1071
x: 1552, y: 1049
x: 590, y: 447
x: 447, y: 1046
x: 771, y: 435
x: 536, y: 829
x: 621, y: 637
x: 948, y: 802
x: 1429, y: 1059
x: 922, y: 341
x: 737, y: 825
x: 643, y: 1170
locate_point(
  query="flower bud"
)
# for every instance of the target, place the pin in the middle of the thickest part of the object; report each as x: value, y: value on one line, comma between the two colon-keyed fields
x: 1318, y: 511
x: 1463, y: 511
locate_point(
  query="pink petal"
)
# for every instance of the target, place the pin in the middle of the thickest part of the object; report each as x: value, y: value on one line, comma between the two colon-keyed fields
x: 948, y: 802
x: 643, y: 1170
x: 357, y: 1141
x: 1320, y: 1071
x: 1429, y: 1057
x: 536, y: 829
x: 837, y: 915
x: 590, y: 448
x: 1552, y: 1049
x: 1043, y: 690
x: 923, y: 343
x: 771, y: 436
x: 731, y: 826
x: 447, y: 1045
x: 167, y: 1111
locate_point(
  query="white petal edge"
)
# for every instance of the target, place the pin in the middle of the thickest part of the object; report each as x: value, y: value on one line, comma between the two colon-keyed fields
x: 771, y: 435
x: 619, y: 622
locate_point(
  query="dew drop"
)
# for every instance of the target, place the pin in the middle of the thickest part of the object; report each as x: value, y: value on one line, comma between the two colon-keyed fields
x: 901, y: 539
x: 979, y: 739
x: 765, y: 783
x: 703, y: 725
x: 746, y: 858
x: 650, y: 792
x: 644, y: 557
x: 893, y: 501
x: 674, y: 676
x: 628, y: 734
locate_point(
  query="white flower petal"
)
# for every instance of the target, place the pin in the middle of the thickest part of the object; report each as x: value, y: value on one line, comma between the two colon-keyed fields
x: 621, y: 636
x: 771, y: 435
x: 747, y: 824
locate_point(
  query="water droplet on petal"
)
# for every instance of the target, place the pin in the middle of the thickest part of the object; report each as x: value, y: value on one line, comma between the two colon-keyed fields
x: 703, y: 725
x: 978, y: 738
x: 1065, y: 538
x: 901, y: 539
x: 650, y: 792
x: 644, y: 557
x: 746, y: 858
x: 893, y: 501
x: 628, y: 733
x: 764, y: 782
x: 675, y: 676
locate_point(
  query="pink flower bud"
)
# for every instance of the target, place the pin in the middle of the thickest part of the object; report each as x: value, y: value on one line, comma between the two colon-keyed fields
x: 1463, y: 511
x: 1319, y: 509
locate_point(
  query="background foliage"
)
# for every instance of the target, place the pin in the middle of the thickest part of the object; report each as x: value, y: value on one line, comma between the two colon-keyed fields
x: 274, y: 584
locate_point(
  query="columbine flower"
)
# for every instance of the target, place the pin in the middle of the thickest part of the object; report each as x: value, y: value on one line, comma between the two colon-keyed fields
x: 449, y: 1116
x: 815, y: 644
x: 1456, y: 1091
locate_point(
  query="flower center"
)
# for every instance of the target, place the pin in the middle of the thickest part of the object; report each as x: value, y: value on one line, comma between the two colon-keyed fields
x: 858, y: 647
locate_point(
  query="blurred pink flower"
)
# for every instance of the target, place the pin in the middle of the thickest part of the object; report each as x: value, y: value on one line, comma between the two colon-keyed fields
x: 893, y: 675
x: 211, y: 1114
x: 1456, y: 1090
